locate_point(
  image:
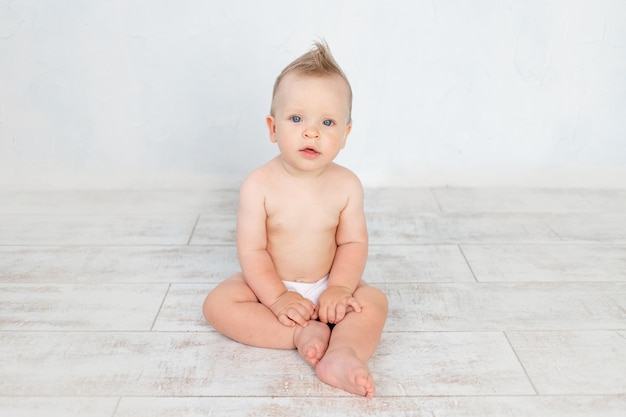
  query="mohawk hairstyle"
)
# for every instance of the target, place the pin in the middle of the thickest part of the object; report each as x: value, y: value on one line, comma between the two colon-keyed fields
x: 317, y: 62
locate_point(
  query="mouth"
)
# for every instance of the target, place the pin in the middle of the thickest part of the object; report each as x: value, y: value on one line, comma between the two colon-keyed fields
x: 309, y: 152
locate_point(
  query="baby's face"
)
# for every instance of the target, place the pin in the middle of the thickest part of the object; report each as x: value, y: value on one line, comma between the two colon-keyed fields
x: 311, y: 121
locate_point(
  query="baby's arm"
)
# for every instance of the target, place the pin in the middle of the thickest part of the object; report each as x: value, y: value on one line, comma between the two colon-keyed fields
x: 349, y: 261
x: 256, y: 263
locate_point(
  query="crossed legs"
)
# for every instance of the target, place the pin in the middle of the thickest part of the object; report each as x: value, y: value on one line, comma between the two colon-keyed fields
x: 339, y: 357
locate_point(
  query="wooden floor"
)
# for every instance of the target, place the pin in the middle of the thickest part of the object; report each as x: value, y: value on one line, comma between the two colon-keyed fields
x: 503, y: 302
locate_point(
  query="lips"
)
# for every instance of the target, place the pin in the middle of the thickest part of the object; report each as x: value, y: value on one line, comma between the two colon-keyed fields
x: 309, y: 152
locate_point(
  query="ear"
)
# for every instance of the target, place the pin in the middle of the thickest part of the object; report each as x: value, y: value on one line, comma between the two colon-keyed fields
x: 271, y: 125
x: 345, y: 136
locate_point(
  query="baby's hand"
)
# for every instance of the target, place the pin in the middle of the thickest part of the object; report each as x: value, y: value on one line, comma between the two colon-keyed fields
x: 291, y: 308
x: 335, y: 302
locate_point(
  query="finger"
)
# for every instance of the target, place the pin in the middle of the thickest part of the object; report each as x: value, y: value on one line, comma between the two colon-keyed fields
x: 312, y: 308
x: 297, y: 317
x: 340, y: 313
x: 305, y: 310
x: 322, y: 314
x: 283, y: 319
x: 331, y: 315
x: 352, y: 302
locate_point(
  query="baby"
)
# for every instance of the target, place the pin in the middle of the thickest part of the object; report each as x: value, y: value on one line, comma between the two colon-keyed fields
x: 302, y: 237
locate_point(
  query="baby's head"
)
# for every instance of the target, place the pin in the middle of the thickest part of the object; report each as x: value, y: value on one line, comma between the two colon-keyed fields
x: 318, y: 62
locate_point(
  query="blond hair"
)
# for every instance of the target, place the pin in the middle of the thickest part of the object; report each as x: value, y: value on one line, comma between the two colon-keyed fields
x: 317, y: 62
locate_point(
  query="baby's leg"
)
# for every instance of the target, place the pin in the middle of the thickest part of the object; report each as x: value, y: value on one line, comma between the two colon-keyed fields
x: 353, y: 342
x: 233, y: 310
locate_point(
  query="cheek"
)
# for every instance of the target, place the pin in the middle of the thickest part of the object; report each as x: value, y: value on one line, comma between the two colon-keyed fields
x: 341, y: 136
x: 287, y: 134
x: 283, y: 131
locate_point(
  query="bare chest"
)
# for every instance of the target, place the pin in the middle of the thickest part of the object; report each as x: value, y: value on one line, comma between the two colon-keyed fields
x: 303, y: 213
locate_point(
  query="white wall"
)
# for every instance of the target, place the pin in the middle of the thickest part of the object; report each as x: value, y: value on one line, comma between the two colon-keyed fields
x: 158, y: 93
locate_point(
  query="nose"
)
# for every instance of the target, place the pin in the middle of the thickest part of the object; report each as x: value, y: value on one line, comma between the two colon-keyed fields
x: 311, y: 133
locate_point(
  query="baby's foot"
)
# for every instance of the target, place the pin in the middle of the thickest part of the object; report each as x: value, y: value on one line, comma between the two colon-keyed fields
x: 312, y: 341
x: 342, y: 369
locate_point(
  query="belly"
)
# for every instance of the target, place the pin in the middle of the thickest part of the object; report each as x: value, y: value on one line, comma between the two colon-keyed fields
x: 302, y: 258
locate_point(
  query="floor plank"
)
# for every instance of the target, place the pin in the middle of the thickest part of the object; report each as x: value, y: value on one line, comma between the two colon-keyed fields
x: 505, y: 306
x: 101, y: 307
x: 104, y: 229
x: 118, y: 201
x: 517, y: 406
x: 600, y: 228
x: 215, y: 229
x: 121, y: 264
x: 57, y: 406
x: 574, y: 362
x: 182, y: 309
x: 547, y: 262
x: 416, y: 263
x: 448, y: 363
x: 447, y: 228
x: 400, y: 200
x: 538, y: 200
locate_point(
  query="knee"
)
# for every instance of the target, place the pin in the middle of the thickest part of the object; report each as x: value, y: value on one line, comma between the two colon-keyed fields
x: 215, y: 303
x: 223, y: 297
x: 381, y: 300
x: 210, y: 307
x: 377, y: 299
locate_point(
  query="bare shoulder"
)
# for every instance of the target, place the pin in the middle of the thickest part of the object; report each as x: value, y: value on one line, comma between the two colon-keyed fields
x: 259, y: 180
x: 346, y: 179
x: 352, y: 223
x: 253, y: 191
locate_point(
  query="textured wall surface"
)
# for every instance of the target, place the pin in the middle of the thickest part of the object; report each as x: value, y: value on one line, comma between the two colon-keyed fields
x: 170, y: 93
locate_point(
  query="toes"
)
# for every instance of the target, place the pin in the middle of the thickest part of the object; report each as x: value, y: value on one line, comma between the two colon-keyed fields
x: 308, y: 352
x: 312, y: 342
x: 311, y: 356
x: 368, y: 385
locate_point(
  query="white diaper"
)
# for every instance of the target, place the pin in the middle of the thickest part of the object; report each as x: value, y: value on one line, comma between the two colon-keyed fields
x: 309, y: 290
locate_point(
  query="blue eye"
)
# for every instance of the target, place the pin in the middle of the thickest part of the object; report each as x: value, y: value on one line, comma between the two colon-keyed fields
x: 296, y: 119
x: 327, y: 122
